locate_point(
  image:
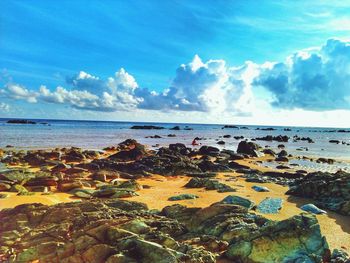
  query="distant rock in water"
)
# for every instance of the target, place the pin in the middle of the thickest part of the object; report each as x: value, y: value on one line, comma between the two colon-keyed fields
x: 175, y: 128
x: 15, y: 121
x: 266, y: 129
x: 230, y: 127
x: 146, y: 127
x: 279, y: 138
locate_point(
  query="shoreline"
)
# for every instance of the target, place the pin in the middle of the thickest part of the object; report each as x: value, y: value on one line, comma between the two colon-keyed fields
x: 154, y: 189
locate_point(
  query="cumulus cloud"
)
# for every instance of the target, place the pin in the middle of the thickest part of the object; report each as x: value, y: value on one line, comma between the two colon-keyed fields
x: 16, y: 91
x: 206, y: 87
x: 312, y: 79
x: 315, y: 79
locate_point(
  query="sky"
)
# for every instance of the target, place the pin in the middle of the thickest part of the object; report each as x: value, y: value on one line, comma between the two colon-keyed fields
x: 235, y: 62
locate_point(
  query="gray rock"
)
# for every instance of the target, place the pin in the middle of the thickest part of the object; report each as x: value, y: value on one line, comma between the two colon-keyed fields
x: 270, y: 205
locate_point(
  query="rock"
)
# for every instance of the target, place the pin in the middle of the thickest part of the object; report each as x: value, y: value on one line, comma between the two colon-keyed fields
x: 237, y: 200
x: 230, y: 127
x: 146, y: 127
x: 129, y: 155
x: 74, y: 155
x: 227, y: 136
x: 34, y: 159
x: 4, y: 187
x: 249, y: 148
x: 65, y: 186
x: 232, y: 155
x: 99, y: 177
x: 20, y: 189
x: 334, y: 141
x: 171, y: 135
x: 270, y: 205
x: 182, y: 197
x: 3, y: 196
x: 175, y: 128
x: 269, y: 152
x: 325, y: 160
x: 42, y: 181
x: 18, y: 121
x: 221, y: 142
x: 260, y: 188
x: 109, y: 191
x: 282, y: 153
x: 113, y: 230
x: 82, y: 193
x: 312, y: 209
x: 209, y: 150
x: 340, y: 256
x: 279, y: 138
x: 75, y: 170
x: 331, y: 191
x: 297, y: 239
x: 209, y: 184
x: 282, y: 159
x: 61, y: 167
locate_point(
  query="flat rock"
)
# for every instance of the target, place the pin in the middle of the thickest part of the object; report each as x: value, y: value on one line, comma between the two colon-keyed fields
x: 259, y: 188
x: 270, y: 205
x: 237, y: 200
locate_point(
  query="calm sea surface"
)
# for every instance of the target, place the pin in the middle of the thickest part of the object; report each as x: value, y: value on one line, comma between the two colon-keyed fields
x: 99, y: 134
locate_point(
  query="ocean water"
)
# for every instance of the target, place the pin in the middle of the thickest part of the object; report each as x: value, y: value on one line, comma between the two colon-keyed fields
x: 99, y: 134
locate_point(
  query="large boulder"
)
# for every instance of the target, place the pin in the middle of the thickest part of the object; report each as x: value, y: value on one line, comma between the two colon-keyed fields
x: 297, y: 239
x: 248, y: 148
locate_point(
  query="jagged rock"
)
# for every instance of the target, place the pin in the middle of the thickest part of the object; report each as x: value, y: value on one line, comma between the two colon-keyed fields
x: 331, y: 191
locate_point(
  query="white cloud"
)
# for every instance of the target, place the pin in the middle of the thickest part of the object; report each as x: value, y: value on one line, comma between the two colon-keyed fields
x: 314, y: 79
x: 207, y: 87
x: 16, y: 91
x: 4, y: 107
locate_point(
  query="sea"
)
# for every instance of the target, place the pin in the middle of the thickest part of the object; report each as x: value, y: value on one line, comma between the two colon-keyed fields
x: 98, y: 134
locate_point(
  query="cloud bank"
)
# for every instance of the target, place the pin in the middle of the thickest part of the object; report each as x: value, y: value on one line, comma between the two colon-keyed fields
x: 314, y: 79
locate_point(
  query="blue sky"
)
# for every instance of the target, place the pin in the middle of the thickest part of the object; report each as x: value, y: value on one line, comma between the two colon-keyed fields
x: 50, y: 42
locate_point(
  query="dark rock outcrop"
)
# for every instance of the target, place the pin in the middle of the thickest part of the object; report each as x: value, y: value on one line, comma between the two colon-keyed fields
x: 331, y: 191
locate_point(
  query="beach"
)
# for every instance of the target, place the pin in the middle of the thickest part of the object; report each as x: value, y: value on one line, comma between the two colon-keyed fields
x: 161, y: 175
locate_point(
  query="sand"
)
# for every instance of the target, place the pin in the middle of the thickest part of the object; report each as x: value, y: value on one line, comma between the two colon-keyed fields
x: 335, y: 227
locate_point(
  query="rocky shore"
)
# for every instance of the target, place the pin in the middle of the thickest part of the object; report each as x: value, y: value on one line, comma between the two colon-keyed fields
x: 104, y: 227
